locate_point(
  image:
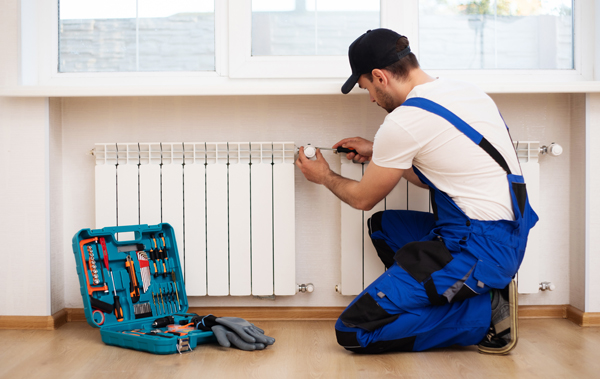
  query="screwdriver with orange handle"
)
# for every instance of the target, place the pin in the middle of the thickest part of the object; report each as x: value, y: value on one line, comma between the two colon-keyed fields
x: 134, y: 289
x: 117, y: 304
x: 153, y: 257
x: 163, y: 252
x: 161, y: 256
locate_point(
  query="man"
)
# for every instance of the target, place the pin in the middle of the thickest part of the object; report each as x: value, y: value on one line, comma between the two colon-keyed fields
x: 449, y: 273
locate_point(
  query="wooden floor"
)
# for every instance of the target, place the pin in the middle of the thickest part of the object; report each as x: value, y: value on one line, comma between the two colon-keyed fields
x: 548, y: 348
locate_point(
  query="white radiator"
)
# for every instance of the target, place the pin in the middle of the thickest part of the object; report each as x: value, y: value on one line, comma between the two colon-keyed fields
x: 528, y: 276
x: 360, y: 263
x: 232, y: 207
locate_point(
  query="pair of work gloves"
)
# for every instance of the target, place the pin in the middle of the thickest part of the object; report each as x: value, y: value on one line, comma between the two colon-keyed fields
x: 234, y: 330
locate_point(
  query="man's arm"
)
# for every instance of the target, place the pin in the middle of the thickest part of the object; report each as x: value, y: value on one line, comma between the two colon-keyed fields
x: 414, y: 179
x: 375, y: 184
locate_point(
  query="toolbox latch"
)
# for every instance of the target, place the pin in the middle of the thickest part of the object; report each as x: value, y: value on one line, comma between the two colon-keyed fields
x: 183, y: 345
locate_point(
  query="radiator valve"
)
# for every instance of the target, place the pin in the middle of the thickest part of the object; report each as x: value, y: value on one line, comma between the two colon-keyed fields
x: 547, y: 286
x: 306, y: 287
x: 553, y: 149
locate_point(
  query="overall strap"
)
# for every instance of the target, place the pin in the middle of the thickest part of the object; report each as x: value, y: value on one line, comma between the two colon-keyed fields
x: 459, y: 124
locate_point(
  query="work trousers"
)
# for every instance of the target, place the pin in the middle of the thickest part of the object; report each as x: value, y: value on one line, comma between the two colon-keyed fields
x: 395, y: 312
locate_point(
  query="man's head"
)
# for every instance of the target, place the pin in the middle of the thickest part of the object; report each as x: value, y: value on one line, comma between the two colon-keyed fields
x: 379, y: 49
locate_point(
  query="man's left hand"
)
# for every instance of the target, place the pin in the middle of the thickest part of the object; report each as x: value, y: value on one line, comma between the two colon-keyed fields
x: 315, y: 171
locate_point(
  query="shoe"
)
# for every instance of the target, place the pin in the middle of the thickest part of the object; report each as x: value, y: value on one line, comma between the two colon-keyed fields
x: 502, y: 335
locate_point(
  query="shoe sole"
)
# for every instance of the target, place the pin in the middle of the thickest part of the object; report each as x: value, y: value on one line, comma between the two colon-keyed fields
x: 513, y: 299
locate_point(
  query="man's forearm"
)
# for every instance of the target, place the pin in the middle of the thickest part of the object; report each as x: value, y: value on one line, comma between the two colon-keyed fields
x: 345, y: 189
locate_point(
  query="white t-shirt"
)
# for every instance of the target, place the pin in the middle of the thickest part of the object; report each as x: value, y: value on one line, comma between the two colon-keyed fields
x: 449, y: 159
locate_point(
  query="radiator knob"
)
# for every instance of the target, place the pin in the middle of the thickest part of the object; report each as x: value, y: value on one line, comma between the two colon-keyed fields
x: 310, y: 151
x: 306, y: 287
x: 553, y: 149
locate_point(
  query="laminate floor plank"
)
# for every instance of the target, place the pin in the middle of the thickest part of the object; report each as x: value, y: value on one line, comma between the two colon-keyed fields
x: 547, y: 348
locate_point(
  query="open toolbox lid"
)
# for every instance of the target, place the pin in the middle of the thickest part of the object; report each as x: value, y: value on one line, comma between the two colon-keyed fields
x: 145, y: 255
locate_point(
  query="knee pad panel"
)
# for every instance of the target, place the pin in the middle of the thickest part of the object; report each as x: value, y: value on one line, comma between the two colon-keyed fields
x: 366, y: 314
x: 421, y: 259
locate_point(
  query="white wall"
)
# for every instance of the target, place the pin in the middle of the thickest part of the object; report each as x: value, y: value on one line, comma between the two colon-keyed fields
x: 57, y: 244
x: 24, y: 165
x: 577, y: 203
x: 77, y: 123
x: 322, y: 121
x: 592, y: 299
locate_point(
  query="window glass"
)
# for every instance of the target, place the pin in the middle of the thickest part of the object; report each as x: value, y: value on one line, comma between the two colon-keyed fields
x: 136, y: 35
x: 310, y: 27
x: 496, y: 34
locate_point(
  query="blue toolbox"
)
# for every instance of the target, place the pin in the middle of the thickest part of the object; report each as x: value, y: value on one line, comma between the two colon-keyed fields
x: 133, y: 290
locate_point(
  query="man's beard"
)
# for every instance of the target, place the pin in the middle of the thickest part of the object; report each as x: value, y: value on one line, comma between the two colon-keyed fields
x: 384, y: 100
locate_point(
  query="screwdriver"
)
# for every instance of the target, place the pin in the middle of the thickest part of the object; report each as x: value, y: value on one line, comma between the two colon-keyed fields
x: 338, y: 150
x: 165, y: 256
x: 160, y: 257
x: 118, y: 308
x: 310, y: 151
x: 153, y: 258
x: 134, y: 290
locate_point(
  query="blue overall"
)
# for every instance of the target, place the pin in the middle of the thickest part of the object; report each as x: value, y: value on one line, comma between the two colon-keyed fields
x: 437, y: 265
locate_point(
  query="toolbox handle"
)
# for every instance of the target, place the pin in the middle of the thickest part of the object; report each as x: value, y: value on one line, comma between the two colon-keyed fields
x: 125, y: 238
x: 137, y: 231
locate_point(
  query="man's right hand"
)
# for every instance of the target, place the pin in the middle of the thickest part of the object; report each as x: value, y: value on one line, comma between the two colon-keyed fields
x: 363, y: 147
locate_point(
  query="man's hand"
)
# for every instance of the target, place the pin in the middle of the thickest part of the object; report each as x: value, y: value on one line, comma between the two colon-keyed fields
x: 363, y: 147
x: 315, y: 171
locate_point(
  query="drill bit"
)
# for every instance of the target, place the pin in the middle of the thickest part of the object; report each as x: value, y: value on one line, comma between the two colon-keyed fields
x: 174, y: 277
x: 153, y: 301
x: 162, y: 300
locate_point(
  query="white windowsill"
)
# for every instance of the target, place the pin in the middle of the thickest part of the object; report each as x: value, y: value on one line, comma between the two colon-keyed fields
x: 223, y: 86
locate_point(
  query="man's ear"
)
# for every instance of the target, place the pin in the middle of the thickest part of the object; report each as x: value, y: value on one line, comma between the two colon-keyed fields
x: 380, y: 76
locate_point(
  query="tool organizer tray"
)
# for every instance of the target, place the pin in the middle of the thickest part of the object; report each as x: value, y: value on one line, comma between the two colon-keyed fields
x: 129, y: 277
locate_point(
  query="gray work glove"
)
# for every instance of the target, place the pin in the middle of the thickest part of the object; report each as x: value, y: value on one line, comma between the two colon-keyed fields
x: 226, y: 337
x: 234, y: 330
x: 240, y: 333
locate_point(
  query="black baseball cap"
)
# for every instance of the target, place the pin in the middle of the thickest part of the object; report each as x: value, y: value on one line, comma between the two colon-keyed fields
x: 374, y: 49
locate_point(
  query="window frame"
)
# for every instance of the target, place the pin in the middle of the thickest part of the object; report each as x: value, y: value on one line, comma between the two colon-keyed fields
x: 237, y: 72
x: 46, y: 73
x: 243, y: 65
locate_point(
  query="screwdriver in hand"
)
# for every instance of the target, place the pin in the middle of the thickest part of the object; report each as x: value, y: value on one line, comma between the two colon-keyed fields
x: 118, y: 308
x: 338, y: 150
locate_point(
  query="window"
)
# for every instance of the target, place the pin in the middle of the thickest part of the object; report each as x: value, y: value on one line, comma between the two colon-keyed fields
x: 310, y: 27
x: 136, y: 35
x: 300, y: 38
x: 207, y: 47
x: 496, y: 34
